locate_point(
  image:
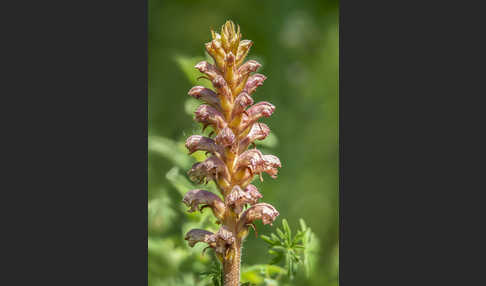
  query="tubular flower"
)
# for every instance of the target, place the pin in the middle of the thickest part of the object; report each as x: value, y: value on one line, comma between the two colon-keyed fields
x: 201, y: 143
x: 195, y: 198
x: 230, y: 111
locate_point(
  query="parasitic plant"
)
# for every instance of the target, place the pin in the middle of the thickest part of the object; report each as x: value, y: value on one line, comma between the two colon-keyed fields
x: 233, y: 116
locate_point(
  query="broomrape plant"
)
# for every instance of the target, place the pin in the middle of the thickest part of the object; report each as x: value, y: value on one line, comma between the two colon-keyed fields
x: 231, y: 112
x: 226, y: 166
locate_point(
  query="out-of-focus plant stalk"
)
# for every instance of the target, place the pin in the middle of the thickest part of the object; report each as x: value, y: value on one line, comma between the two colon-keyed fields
x: 230, y: 111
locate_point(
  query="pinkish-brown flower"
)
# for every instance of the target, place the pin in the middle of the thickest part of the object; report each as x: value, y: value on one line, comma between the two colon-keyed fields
x: 242, y: 101
x: 257, y: 162
x: 208, y: 69
x: 238, y: 197
x: 255, y: 112
x: 208, y: 115
x: 199, y: 199
x: 200, y: 235
x: 253, y: 82
x: 266, y: 212
x: 225, y: 137
x: 210, y: 169
x: 201, y: 143
x: 258, y: 131
x: 206, y: 95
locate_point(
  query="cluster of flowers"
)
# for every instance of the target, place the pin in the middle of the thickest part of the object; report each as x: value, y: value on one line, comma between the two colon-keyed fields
x: 233, y: 116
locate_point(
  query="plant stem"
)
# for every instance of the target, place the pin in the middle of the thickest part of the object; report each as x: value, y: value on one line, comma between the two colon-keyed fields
x: 231, y: 266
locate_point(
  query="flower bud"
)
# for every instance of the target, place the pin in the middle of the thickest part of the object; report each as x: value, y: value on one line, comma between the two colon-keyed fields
x: 243, y: 49
x: 206, y: 95
x: 200, y: 235
x: 215, y: 50
x: 230, y: 38
x: 197, y: 197
x: 208, y: 115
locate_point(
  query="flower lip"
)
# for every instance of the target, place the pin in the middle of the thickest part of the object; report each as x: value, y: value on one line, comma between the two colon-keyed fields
x: 253, y: 82
x: 206, y: 95
x: 198, y: 199
x: 199, y: 235
x: 208, y: 69
x: 208, y: 115
x: 210, y: 169
x: 266, y: 212
x: 201, y: 143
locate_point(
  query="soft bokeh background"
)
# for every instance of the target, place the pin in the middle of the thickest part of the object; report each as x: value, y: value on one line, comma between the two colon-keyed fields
x: 297, y: 42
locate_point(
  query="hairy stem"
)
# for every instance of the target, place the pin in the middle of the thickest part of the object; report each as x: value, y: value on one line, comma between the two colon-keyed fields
x: 231, y: 267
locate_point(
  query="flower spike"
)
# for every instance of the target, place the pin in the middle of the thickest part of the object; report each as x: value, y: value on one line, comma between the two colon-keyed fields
x: 231, y: 112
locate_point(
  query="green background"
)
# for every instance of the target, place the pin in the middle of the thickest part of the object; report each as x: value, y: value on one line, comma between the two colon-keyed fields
x: 298, y: 44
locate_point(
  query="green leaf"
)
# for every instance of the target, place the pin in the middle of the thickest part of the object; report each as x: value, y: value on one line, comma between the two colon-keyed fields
x: 288, y: 232
x: 180, y: 182
x: 170, y: 150
x: 268, y: 240
x: 186, y: 64
x: 280, y: 234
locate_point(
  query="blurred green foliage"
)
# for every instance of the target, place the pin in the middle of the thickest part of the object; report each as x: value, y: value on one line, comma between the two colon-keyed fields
x: 297, y: 42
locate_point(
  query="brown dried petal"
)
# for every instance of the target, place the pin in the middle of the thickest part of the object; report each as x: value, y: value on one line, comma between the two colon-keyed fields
x: 253, y: 82
x: 266, y: 212
x: 225, y: 137
x: 215, y: 50
x: 208, y: 115
x: 195, y: 198
x: 205, y: 94
x: 200, y: 235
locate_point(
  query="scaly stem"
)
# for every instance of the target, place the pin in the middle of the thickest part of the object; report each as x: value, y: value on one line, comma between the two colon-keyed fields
x: 232, y: 115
